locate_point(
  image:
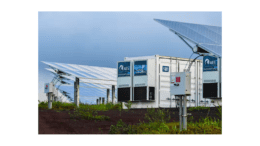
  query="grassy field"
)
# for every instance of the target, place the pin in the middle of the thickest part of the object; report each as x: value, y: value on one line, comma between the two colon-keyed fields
x: 69, y: 106
x: 158, y: 120
x: 158, y: 124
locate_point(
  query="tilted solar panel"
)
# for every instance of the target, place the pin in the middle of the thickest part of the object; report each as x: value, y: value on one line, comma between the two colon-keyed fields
x: 94, y: 80
x: 207, y: 37
x: 86, y: 72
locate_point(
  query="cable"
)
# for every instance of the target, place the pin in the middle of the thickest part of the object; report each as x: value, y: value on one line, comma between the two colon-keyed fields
x: 189, y: 60
x: 192, y: 62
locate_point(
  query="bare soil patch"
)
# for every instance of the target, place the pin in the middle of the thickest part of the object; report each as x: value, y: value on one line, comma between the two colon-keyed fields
x: 53, y: 122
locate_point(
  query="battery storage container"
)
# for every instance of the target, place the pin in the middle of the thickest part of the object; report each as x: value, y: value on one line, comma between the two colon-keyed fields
x: 150, y: 78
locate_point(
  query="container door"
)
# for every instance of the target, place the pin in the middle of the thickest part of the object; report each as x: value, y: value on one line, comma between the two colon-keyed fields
x: 166, y: 67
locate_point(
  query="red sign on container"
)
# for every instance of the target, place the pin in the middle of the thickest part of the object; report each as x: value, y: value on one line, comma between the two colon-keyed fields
x: 178, y: 79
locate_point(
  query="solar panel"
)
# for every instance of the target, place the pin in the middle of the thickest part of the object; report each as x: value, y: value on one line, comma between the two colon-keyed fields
x: 206, y: 37
x: 95, y: 80
x: 85, y: 72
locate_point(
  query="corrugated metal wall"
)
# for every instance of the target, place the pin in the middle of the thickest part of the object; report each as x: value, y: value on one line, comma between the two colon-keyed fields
x: 178, y: 65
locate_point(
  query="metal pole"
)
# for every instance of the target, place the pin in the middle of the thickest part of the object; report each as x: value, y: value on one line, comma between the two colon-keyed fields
x: 184, y: 117
x: 180, y: 112
x: 170, y: 101
x: 53, y: 97
x: 49, y: 100
x: 170, y: 74
x: 108, y: 94
x: 113, y: 94
x: 76, y: 92
x: 103, y: 100
x: 99, y: 101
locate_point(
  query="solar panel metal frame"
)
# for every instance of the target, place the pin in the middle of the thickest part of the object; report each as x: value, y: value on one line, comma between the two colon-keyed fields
x: 96, y: 83
x: 205, y: 31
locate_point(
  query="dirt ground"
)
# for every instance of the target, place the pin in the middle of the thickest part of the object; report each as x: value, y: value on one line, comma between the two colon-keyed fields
x: 53, y: 122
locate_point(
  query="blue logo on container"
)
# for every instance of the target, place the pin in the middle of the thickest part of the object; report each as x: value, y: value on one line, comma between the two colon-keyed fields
x: 140, y: 68
x: 210, y: 63
x: 165, y: 68
x: 123, y: 69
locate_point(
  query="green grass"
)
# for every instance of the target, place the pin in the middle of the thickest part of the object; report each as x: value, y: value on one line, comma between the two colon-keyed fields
x: 159, y: 115
x: 205, y: 126
x: 80, y: 113
x: 56, y: 105
x: 199, y: 108
x: 158, y: 124
x: 84, y: 111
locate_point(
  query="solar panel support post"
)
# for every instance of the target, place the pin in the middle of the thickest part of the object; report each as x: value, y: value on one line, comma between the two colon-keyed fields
x: 220, y: 77
x: 113, y: 94
x: 183, y: 39
x: 55, y: 98
x: 49, y: 100
x: 76, y: 91
x: 99, y: 100
x: 108, y: 93
x: 180, y: 112
x: 103, y: 100
x: 184, y: 116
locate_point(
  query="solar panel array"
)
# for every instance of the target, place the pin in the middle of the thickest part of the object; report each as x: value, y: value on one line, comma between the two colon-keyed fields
x: 95, y: 80
x: 207, y: 37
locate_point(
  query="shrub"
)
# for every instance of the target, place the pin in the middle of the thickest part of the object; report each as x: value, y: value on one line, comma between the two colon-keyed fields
x: 199, y: 108
x: 80, y: 113
x: 219, y: 112
x: 204, y: 126
x: 57, y: 105
x: 43, y: 105
x: 117, y: 106
x: 157, y: 116
x: 121, y: 128
x: 128, y: 104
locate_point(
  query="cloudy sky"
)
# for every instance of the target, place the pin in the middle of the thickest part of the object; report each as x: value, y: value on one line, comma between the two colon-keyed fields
x: 103, y: 38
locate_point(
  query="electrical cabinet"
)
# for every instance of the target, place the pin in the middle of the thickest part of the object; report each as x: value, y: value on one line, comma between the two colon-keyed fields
x: 48, y: 88
x: 180, y: 83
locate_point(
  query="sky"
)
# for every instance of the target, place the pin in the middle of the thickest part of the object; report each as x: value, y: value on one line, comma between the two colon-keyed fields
x: 103, y: 38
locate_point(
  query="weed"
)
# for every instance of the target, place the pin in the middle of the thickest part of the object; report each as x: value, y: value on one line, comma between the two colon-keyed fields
x: 121, y: 128
x: 204, y: 126
x: 128, y: 104
x: 219, y: 113
x: 199, y: 108
x: 157, y: 116
x: 56, y: 105
x: 190, y: 119
x: 100, y: 130
x: 80, y: 113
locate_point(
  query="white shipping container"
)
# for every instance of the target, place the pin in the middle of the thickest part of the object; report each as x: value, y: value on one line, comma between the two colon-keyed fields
x: 162, y: 68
